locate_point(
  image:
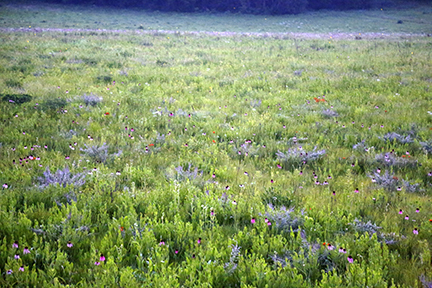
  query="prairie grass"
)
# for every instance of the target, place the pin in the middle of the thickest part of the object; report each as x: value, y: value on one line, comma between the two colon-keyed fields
x: 199, y: 196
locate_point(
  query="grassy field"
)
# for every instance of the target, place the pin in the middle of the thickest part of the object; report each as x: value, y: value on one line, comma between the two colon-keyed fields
x: 416, y: 19
x: 169, y: 160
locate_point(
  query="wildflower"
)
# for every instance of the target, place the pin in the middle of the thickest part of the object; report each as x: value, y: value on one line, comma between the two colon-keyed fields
x: 97, y: 263
x: 227, y: 187
x: 9, y: 271
x: 253, y: 220
x: 17, y: 256
x: 330, y: 247
x: 186, y: 145
x: 212, y: 213
x: 199, y: 241
x: 266, y: 220
x: 26, y: 250
x: 350, y: 259
x: 417, y: 210
x: 118, y: 173
x: 246, y: 173
x: 176, y: 251
x: 334, y: 193
x: 161, y: 243
x: 279, y: 166
x: 5, y: 186
x: 399, y: 189
x: 406, y: 217
x: 69, y: 244
x: 378, y: 170
x: 356, y: 190
x: 121, y: 228
x: 415, y: 231
x: 341, y: 250
x: 271, y: 181
x: 151, y: 144
x: 21, y: 269
x: 400, y: 211
x: 107, y: 113
x: 329, y: 177
x: 269, y: 223
x: 214, y: 175
x: 102, y: 258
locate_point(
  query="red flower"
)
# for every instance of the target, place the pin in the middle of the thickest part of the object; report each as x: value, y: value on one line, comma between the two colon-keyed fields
x: 107, y: 113
x: 214, y: 132
x: 151, y: 144
x: 214, y: 141
x: 122, y: 228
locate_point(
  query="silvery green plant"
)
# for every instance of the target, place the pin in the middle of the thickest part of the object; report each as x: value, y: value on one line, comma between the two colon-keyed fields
x: 427, y: 283
x: 386, y: 181
x: 184, y: 174
x: 295, y: 157
x: 363, y: 227
x: 411, y: 187
x: 362, y: 146
x: 62, y: 178
x: 284, y: 219
x: 393, y: 136
x: 246, y: 149
x: 427, y: 146
x: 255, y: 103
x: 99, y: 154
x: 391, y: 160
x: 329, y: 113
x: 91, y: 100
x: 231, y: 266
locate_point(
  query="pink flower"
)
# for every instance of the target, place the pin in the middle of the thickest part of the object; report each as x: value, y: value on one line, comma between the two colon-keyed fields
x: 17, y: 256
x: 26, y: 250
x: 69, y: 244
x: 400, y: 211
x: 15, y: 244
x: 350, y: 259
x: 5, y: 186
x: 406, y: 217
x: 97, y: 263
x: 269, y: 223
x: 199, y: 241
x: 253, y: 220
x: 9, y: 271
x: 21, y: 269
x: 161, y: 243
x: 415, y: 231
x: 176, y: 251
x: 102, y: 258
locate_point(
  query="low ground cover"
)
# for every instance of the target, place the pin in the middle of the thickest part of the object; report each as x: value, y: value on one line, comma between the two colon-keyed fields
x: 173, y: 160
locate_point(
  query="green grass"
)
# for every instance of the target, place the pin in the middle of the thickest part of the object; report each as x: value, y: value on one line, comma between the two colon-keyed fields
x: 416, y: 19
x: 269, y: 88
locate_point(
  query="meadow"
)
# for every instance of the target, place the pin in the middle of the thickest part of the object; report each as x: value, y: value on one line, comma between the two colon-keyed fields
x: 136, y: 158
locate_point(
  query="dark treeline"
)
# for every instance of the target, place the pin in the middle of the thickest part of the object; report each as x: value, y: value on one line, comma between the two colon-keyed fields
x: 239, y: 6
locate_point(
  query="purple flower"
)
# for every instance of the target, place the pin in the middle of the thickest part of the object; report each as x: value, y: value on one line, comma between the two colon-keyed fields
x: 17, y: 256
x: 9, y: 271
x: 406, y: 217
x: 5, y: 186
x: 26, y: 250
x: 268, y: 223
x: 350, y: 259
x: 97, y: 263
x: 417, y: 210
x: 69, y: 244
x: 161, y: 243
x: 356, y: 190
x: 253, y: 220
x: 199, y: 241
x: 15, y: 244
x: 176, y: 251
x: 21, y: 269
x: 102, y: 258
x: 415, y: 231
x: 400, y: 211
